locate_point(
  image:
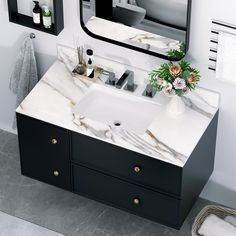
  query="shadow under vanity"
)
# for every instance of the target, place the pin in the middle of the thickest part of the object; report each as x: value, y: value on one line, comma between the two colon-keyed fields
x: 157, y: 174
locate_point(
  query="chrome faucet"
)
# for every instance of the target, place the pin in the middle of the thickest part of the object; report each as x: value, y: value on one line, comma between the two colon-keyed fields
x: 130, y: 86
x: 118, y: 83
x: 129, y: 77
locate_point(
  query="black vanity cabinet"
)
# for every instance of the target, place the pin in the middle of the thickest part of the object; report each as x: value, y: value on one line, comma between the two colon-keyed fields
x: 116, y: 176
x: 44, y: 151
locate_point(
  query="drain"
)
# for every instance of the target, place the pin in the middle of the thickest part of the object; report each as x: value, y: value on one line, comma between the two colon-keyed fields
x: 117, y: 123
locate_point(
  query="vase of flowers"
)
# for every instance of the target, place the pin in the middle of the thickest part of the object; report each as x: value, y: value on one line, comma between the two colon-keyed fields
x: 175, y: 80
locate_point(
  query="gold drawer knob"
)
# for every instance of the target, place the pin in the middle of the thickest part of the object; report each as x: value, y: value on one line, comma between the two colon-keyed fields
x: 56, y: 173
x: 54, y: 141
x: 137, y: 169
x: 136, y: 201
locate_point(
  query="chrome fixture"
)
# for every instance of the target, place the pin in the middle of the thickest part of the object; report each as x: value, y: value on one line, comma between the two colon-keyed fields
x: 149, y: 91
x: 111, y: 77
x: 130, y: 86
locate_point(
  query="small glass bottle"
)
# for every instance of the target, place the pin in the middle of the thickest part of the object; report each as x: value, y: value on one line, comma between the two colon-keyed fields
x: 47, y: 17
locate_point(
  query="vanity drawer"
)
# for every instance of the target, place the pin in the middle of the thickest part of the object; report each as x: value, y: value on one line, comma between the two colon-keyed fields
x: 126, y: 164
x: 44, y: 151
x: 126, y: 196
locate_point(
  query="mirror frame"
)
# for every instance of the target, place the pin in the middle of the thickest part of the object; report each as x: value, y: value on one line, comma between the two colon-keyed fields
x: 165, y: 57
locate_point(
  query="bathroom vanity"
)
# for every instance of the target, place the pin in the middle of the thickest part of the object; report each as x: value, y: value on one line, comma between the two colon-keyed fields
x: 156, y: 171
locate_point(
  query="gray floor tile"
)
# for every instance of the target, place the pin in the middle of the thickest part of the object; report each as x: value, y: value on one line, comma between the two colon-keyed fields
x: 10, y: 146
x: 12, y: 226
x: 66, y: 212
x: 4, y: 138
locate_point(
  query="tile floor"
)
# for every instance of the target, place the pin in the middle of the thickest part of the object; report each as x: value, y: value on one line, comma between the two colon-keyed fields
x: 13, y: 226
x: 65, y: 212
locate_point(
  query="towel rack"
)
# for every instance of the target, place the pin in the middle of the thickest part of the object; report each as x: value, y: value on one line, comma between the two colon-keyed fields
x: 217, y: 26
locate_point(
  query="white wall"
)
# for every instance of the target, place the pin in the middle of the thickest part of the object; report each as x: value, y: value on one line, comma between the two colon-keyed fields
x: 222, y: 186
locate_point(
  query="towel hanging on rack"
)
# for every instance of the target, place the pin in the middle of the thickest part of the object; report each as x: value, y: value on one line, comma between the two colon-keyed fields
x: 226, y: 58
x: 25, y: 75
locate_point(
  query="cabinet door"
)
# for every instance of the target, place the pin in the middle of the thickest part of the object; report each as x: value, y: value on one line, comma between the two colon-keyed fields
x: 44, y: 151
x: 126, y: 164
x: 129, y: 197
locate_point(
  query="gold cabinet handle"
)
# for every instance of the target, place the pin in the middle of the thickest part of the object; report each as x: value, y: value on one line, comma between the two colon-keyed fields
x: 137, y: 169
x: 56, y: 173
x: 136, y: 201
x: 54, y: 141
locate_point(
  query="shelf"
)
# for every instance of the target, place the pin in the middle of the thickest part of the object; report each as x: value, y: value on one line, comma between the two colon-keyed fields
x: 27, y: 21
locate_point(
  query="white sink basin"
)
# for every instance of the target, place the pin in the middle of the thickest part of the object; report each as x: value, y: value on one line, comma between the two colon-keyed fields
x: 117, y: 109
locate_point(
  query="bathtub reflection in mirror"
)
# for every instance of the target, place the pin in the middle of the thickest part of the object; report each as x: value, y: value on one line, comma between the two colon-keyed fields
x: 158, y: 27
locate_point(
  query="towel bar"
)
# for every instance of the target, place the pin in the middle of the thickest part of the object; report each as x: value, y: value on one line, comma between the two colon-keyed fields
x: 217, y: 27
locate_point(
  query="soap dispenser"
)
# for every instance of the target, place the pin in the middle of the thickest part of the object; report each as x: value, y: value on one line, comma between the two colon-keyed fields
x: 90, y: 69
x: 37, y: 13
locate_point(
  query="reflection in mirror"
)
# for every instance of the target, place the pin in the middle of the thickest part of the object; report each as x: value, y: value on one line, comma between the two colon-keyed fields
x: 157, y: 27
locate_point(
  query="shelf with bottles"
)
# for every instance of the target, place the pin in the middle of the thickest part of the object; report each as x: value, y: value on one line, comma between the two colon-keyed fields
x: 25, y: 20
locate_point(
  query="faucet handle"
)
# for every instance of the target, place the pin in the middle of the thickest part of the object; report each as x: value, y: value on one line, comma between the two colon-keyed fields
x: 149, y: 91
x: 111, y: 77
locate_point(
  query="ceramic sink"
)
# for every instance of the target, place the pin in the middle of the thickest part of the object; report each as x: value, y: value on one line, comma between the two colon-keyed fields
x: 117, y: 109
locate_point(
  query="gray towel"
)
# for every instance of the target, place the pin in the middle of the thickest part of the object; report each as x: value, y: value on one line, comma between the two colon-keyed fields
x: 25, y: 75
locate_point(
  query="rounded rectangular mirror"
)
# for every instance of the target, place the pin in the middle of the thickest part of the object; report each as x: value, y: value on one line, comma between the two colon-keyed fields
x: 156, y: 27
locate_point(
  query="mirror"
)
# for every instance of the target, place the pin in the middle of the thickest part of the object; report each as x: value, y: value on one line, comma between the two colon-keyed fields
x: 157, y: 27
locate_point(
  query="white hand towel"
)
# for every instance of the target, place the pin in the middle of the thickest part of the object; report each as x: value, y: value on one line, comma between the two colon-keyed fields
x: 226, y: 58
x: 214, y: 226
x: 231, y: 220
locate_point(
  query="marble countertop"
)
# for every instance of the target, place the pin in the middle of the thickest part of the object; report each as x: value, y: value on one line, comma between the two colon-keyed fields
x: 169, y: 139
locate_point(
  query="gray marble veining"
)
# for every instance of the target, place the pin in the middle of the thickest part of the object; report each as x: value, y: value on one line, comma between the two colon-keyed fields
x: 55, y: 96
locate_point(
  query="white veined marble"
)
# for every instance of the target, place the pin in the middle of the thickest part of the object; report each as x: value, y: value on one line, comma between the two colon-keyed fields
x: 170, y: 139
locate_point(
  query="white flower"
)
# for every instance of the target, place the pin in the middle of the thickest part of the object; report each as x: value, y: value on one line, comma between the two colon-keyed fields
x: 169, y: 86
x: 164, y: 84
x: 159, y: 81
x: 179, y: 83
x: 169, y: 91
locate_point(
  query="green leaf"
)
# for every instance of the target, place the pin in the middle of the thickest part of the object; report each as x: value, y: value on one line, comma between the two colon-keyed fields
x: 184, y: 65
x: 177, y: 54
x: 179, y: 92
x: 186, y: 74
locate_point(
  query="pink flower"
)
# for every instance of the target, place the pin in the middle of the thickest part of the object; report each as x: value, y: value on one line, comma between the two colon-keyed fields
x: 169, y: 91
x: 179, y: 83
x: 185, y: 90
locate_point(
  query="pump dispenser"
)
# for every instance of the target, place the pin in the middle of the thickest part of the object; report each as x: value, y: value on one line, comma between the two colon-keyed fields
x: 90, y: 69
x: 37, y: 13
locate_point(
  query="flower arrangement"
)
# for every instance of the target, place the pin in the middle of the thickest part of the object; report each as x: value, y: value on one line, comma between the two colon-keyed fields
x: 175, y: 78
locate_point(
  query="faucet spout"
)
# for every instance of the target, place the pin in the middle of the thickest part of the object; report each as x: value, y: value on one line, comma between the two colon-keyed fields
x: 126, y: 76
x: 130, y: 86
